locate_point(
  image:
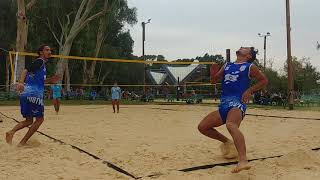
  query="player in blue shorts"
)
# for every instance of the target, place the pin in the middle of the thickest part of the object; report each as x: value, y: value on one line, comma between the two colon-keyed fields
x: 31, y: 89
x: 115, y: 96
x: 236, y: 91
x: 56, y: 90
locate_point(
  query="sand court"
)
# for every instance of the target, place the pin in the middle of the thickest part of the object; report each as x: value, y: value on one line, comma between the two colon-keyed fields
x: 158, y: 140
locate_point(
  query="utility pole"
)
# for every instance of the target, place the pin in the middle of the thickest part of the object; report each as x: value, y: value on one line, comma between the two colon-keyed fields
x: 143, y: 55
x: 265, y: 48
x: 289, y: 59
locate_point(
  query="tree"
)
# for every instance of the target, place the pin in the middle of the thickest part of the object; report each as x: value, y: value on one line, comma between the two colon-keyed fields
x: 88, y: 73
x: 111, y: 24
x: 305, y: 75
x: 7, y: 27
x: 70, y: 30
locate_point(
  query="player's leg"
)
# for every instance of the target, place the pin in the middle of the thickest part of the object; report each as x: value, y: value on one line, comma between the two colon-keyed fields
x: 234, y: 119
x: 117, y: 102
x: 20, y: 125
x: 208, y: 124
x: 54, y: 101
x: 34, y: 127
x: 113, y: 105
x: 58, y: 105
x: 37, y: 110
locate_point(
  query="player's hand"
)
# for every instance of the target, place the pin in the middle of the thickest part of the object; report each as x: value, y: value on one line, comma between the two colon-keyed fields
x: 246, y: 96
x: 213, y: 71
x: 20, y: 87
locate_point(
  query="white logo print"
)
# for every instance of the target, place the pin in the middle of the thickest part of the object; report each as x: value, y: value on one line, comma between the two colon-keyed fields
x: 35, y: 111
x: 242, y: 68
x: 227, y: 68
x: 35, y: 100
x: 230, y: 77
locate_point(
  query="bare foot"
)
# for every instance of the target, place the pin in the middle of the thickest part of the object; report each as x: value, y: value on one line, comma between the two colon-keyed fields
x: 241, y: 166
x: 9, y: 136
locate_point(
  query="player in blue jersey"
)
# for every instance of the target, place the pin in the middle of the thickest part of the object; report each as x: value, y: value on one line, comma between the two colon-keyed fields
x: 236, y: 91
x: 31, y: 89
x: 115, y: 96
x: 56, y: 90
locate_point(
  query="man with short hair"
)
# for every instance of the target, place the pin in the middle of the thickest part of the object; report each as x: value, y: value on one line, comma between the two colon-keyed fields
x: 31, y: 89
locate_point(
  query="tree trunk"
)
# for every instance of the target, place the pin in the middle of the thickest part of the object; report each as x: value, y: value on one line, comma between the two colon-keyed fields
x: 67, y: 74
x: 82, y: 19
x: 22, y: 32
x: 62, y: 65
x: 101, y: 35
x: 22, y: 35
x: 100, y: 39
x: 103, y: 78
x: 84, y: 73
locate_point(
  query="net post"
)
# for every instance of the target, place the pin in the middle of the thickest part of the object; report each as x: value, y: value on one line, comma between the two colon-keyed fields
x: 228, y: 55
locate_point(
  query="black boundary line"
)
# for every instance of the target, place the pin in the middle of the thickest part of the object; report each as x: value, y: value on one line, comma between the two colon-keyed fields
x: 285, y: 117
x: 231, y: 163
x: 109, y: 164
x: 209, y: 166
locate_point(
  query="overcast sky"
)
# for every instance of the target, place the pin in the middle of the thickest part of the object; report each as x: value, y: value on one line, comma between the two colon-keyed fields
x: 190, y: 28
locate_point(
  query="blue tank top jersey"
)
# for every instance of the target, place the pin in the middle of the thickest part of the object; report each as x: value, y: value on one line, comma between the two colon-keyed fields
x: 34, y: 82
x: 236, y: 80
x: 115, y: 92
x: 56, y: 90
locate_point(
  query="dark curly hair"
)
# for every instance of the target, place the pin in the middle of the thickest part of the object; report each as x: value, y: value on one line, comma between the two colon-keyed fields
x: 253, y: 53
x: 41, y: 48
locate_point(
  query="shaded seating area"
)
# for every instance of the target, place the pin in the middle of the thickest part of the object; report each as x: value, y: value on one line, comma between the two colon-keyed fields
x: 309, y: 100
x: 8, y: 95
x: 194, y: 99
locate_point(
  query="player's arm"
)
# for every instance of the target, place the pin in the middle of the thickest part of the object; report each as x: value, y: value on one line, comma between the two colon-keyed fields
x: 262, y: 81
x: 52, y: 79
x: 35, y: 65
x: 20, y: 84
x: 216, y: 73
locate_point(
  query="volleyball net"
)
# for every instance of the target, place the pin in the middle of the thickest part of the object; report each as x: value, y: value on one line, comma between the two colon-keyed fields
x: 136, y: 78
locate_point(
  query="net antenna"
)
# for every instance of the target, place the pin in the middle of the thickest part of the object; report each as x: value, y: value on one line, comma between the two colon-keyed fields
x: 15, y: 68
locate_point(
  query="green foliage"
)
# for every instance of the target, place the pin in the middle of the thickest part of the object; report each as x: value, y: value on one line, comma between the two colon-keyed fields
x: 305, y: 75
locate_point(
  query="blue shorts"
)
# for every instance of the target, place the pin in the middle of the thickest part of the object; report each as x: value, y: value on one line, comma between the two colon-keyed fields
x: 227, y: 105
x: 56, y: 96
x: 31, y: 106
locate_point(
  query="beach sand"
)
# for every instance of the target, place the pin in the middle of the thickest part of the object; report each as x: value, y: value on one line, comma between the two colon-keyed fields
x: 158, y: 140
